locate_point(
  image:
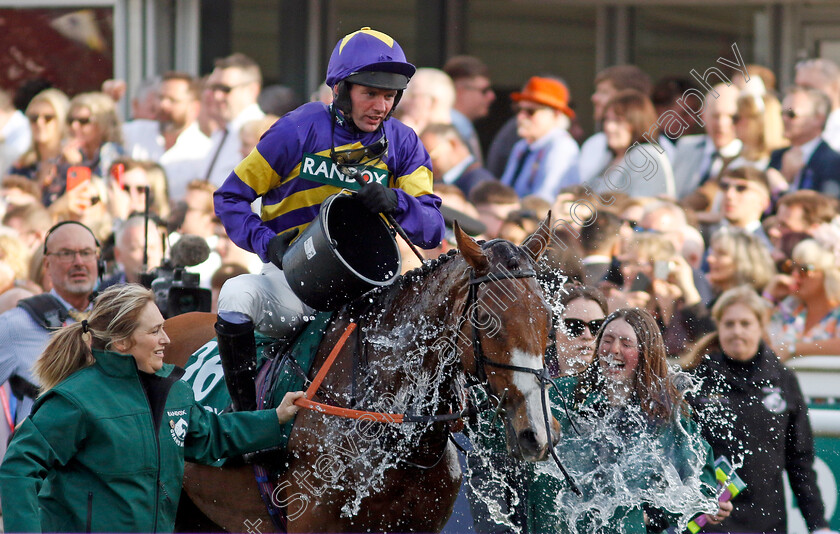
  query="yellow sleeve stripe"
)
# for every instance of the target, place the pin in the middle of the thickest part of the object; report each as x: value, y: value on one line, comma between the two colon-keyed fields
x: 417, y: 183
x: 255, y: 172
x: 301, y: 199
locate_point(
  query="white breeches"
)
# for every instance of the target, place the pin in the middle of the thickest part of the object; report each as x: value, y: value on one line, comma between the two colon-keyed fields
x: 267, y: 299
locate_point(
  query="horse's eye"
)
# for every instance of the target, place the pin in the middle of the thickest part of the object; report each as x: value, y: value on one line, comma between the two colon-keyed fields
x: 486, y: 319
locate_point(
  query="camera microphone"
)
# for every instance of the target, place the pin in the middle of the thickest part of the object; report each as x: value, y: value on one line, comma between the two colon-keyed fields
x: 190, y: 250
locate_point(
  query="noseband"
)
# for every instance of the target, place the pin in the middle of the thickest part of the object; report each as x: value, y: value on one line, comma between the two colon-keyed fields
x: 481, y: 360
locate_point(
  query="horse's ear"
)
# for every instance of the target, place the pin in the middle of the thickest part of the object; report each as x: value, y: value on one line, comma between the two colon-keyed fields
x: 471, y: 250
x: 537, y: 242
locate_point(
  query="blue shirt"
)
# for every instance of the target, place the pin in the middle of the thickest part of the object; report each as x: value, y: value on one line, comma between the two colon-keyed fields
x: 550, y: 165
x: 22, y: 340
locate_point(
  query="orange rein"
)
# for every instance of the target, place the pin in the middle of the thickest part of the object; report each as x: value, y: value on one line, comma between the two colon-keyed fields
x: 309, y: 404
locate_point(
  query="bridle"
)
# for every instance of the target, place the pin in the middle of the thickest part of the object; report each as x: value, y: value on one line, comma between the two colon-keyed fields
x: 482, y: 361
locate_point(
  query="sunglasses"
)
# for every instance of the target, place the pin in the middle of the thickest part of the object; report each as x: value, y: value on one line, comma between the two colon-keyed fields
x: 138, y: 189
x: 483, y: 90
x: 223, y: 88
x: 81, y: 120
x: 35, y: 118
x: 790, y: 267
x: 740, y: 188
x: 530, y: 112
x: 575, y: 327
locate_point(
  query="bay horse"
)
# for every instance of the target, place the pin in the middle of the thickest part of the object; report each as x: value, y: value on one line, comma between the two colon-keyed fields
x: 477, y: 316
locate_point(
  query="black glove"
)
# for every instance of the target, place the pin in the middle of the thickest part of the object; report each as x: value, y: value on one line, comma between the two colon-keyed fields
x: 278, y: 245
x: 378, y: 198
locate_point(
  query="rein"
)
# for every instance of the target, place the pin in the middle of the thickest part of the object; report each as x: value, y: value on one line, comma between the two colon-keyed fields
x: 380, y: 417
x: 542, y: 375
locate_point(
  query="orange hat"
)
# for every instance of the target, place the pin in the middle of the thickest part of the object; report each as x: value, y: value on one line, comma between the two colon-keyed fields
x: 547, y: 92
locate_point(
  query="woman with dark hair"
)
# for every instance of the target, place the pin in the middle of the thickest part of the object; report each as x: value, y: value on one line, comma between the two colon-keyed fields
x: 628, y: 443
x: 104, y: 447
x: 638, y: 168
x: 751, y: 410
x: 583, y: 312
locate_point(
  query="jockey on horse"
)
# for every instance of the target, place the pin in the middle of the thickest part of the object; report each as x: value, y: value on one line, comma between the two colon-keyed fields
x: 304, y: 158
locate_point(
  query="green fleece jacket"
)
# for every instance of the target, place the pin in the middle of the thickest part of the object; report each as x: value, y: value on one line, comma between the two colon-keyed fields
x: 93, y: 456
x: 537, y: 510
x: 675, y: 441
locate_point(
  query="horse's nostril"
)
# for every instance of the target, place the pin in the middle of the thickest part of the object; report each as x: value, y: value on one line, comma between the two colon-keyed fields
x: 528, y: 441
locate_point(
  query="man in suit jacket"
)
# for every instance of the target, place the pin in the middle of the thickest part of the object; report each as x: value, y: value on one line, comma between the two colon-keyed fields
x: 702, y: 157
x: 824, y: 75
x: 452, y: 162
x: 809, y: 162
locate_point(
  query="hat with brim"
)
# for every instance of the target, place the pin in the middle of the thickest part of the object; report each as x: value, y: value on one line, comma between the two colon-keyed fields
x: 547, y: 92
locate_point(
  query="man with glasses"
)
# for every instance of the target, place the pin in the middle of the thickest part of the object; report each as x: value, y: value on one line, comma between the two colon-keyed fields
x: 809, y: 162
x: 71, y: 254
x: 308, y: 155
x: 234, y: 86
x: 699, y: 159
x: 473, y: 97
x: 545, y: 160
x: 823, y: 75
x: 746, y: 196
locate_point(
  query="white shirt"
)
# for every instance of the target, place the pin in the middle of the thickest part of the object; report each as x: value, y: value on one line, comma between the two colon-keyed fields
x: 183, y: 162
x: 642, y: 172
x: 228, y: 146
x: 595, y: 155
x: 455, y: 172
x: 809, y: 148
x: 15, y: 139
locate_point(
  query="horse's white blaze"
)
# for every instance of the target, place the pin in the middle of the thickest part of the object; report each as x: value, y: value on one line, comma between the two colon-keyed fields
x: 529, y: 387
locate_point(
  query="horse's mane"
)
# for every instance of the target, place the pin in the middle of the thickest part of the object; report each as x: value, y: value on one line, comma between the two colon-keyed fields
x: 418, y: 274
x: 380, y: 297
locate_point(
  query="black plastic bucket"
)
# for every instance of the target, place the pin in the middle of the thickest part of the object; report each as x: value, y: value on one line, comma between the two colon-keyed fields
x: 344, y: 253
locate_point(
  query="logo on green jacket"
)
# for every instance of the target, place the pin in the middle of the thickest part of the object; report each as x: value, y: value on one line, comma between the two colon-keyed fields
x: 321, y: 169
x: 178, y: 431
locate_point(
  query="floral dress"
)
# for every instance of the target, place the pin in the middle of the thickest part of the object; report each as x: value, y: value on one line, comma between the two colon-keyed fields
x: 787, y: 325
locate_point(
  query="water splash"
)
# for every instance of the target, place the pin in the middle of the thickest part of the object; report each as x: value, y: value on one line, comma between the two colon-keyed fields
x: 368, y: 451
x: 619, y: 460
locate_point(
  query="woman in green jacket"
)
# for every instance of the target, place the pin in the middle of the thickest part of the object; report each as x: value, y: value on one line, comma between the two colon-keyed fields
x: 104, y: 447
x: 634, y: 452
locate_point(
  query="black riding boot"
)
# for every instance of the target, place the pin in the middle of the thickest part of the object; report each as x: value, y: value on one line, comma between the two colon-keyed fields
x: 238, y: 352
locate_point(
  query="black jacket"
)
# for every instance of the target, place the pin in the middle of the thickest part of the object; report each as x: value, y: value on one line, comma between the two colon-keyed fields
x: 754, y: 411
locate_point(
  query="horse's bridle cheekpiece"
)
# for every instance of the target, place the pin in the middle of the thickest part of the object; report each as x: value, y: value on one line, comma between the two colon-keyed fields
x: 481, y: 361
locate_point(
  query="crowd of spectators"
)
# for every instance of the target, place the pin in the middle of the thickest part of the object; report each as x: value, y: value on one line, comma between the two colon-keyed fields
x: 646, y: 215
x: 656, y: 220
